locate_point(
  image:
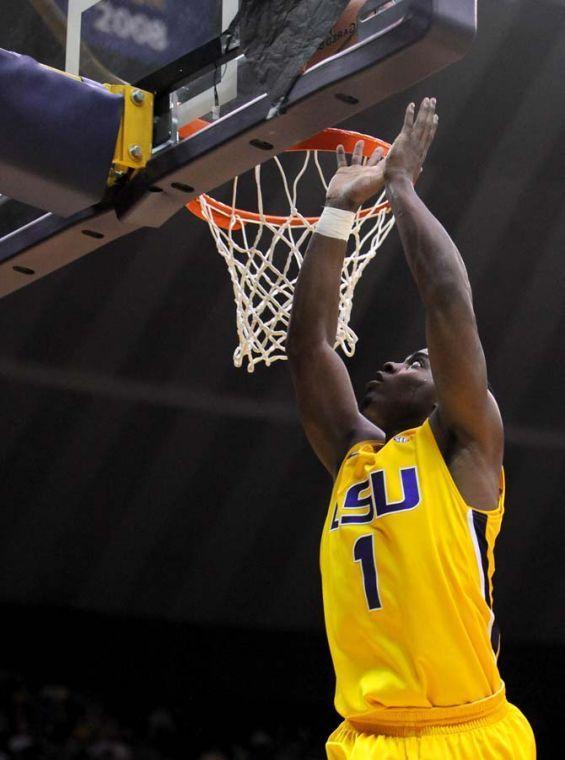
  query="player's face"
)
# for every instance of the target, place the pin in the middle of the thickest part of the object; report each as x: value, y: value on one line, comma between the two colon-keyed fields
x: 401, y: 390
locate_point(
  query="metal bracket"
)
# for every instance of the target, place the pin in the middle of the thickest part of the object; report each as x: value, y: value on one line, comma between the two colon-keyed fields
x: 134, y: 142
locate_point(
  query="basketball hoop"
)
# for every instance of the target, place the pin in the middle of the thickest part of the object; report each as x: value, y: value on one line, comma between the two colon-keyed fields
x: 264, y: 251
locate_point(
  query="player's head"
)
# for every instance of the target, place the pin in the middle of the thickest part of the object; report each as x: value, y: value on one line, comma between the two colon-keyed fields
x: 402, y: 394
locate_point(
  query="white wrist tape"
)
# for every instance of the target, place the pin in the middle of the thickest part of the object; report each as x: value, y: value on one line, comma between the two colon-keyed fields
x: 336, y: 223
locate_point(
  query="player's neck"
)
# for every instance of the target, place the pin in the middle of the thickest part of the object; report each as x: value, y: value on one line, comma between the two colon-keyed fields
x: 399, y: 426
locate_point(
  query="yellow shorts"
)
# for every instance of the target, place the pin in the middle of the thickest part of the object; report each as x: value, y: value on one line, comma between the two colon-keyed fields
x: 504, y: 734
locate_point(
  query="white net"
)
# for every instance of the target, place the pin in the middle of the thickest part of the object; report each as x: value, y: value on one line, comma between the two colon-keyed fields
x: 264, y: 256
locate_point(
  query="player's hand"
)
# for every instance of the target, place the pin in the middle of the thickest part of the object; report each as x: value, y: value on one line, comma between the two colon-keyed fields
x: 409, y: 150
x: 352, y: 185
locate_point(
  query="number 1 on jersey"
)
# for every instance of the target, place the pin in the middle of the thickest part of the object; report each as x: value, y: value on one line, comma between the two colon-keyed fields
x: 364, y: 553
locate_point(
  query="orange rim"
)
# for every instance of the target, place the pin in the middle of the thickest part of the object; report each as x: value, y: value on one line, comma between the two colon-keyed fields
x: 225, y: 216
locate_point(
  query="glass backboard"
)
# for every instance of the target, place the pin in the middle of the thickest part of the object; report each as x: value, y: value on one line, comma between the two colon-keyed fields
x: 112, y: 40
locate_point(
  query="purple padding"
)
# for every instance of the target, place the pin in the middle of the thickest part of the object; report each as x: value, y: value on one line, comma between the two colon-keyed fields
x: 57, y: 136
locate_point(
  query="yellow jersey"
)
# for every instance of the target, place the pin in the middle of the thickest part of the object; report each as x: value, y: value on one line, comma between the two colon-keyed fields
x: 407, y: 571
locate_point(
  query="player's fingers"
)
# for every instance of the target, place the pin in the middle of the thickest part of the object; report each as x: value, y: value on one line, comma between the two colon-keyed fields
x: 428, y: 124
x: 340, y: 156
x: 376, y: 157
x: 357, y: 155
x: 409, y: 117
x: 433, y: 131
x: 420, y: 123
x: 430, y: 134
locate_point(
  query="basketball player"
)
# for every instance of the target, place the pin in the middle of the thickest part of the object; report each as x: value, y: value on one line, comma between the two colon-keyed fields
x: 407, y: 549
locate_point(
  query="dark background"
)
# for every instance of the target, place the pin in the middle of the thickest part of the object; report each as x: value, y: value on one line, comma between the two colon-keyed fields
x: 161, y: 510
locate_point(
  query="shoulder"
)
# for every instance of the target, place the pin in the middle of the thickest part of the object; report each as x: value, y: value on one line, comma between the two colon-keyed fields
x: 488, y: 439
x: 485, y: 435
x: 474, y: 464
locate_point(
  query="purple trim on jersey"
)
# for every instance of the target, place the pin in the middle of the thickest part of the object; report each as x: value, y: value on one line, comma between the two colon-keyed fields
x: 335, y: 519
x: 480, y: 521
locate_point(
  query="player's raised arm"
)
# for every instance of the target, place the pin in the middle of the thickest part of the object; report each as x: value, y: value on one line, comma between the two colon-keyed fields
x: 327, y: 404
x: 467, y: 414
